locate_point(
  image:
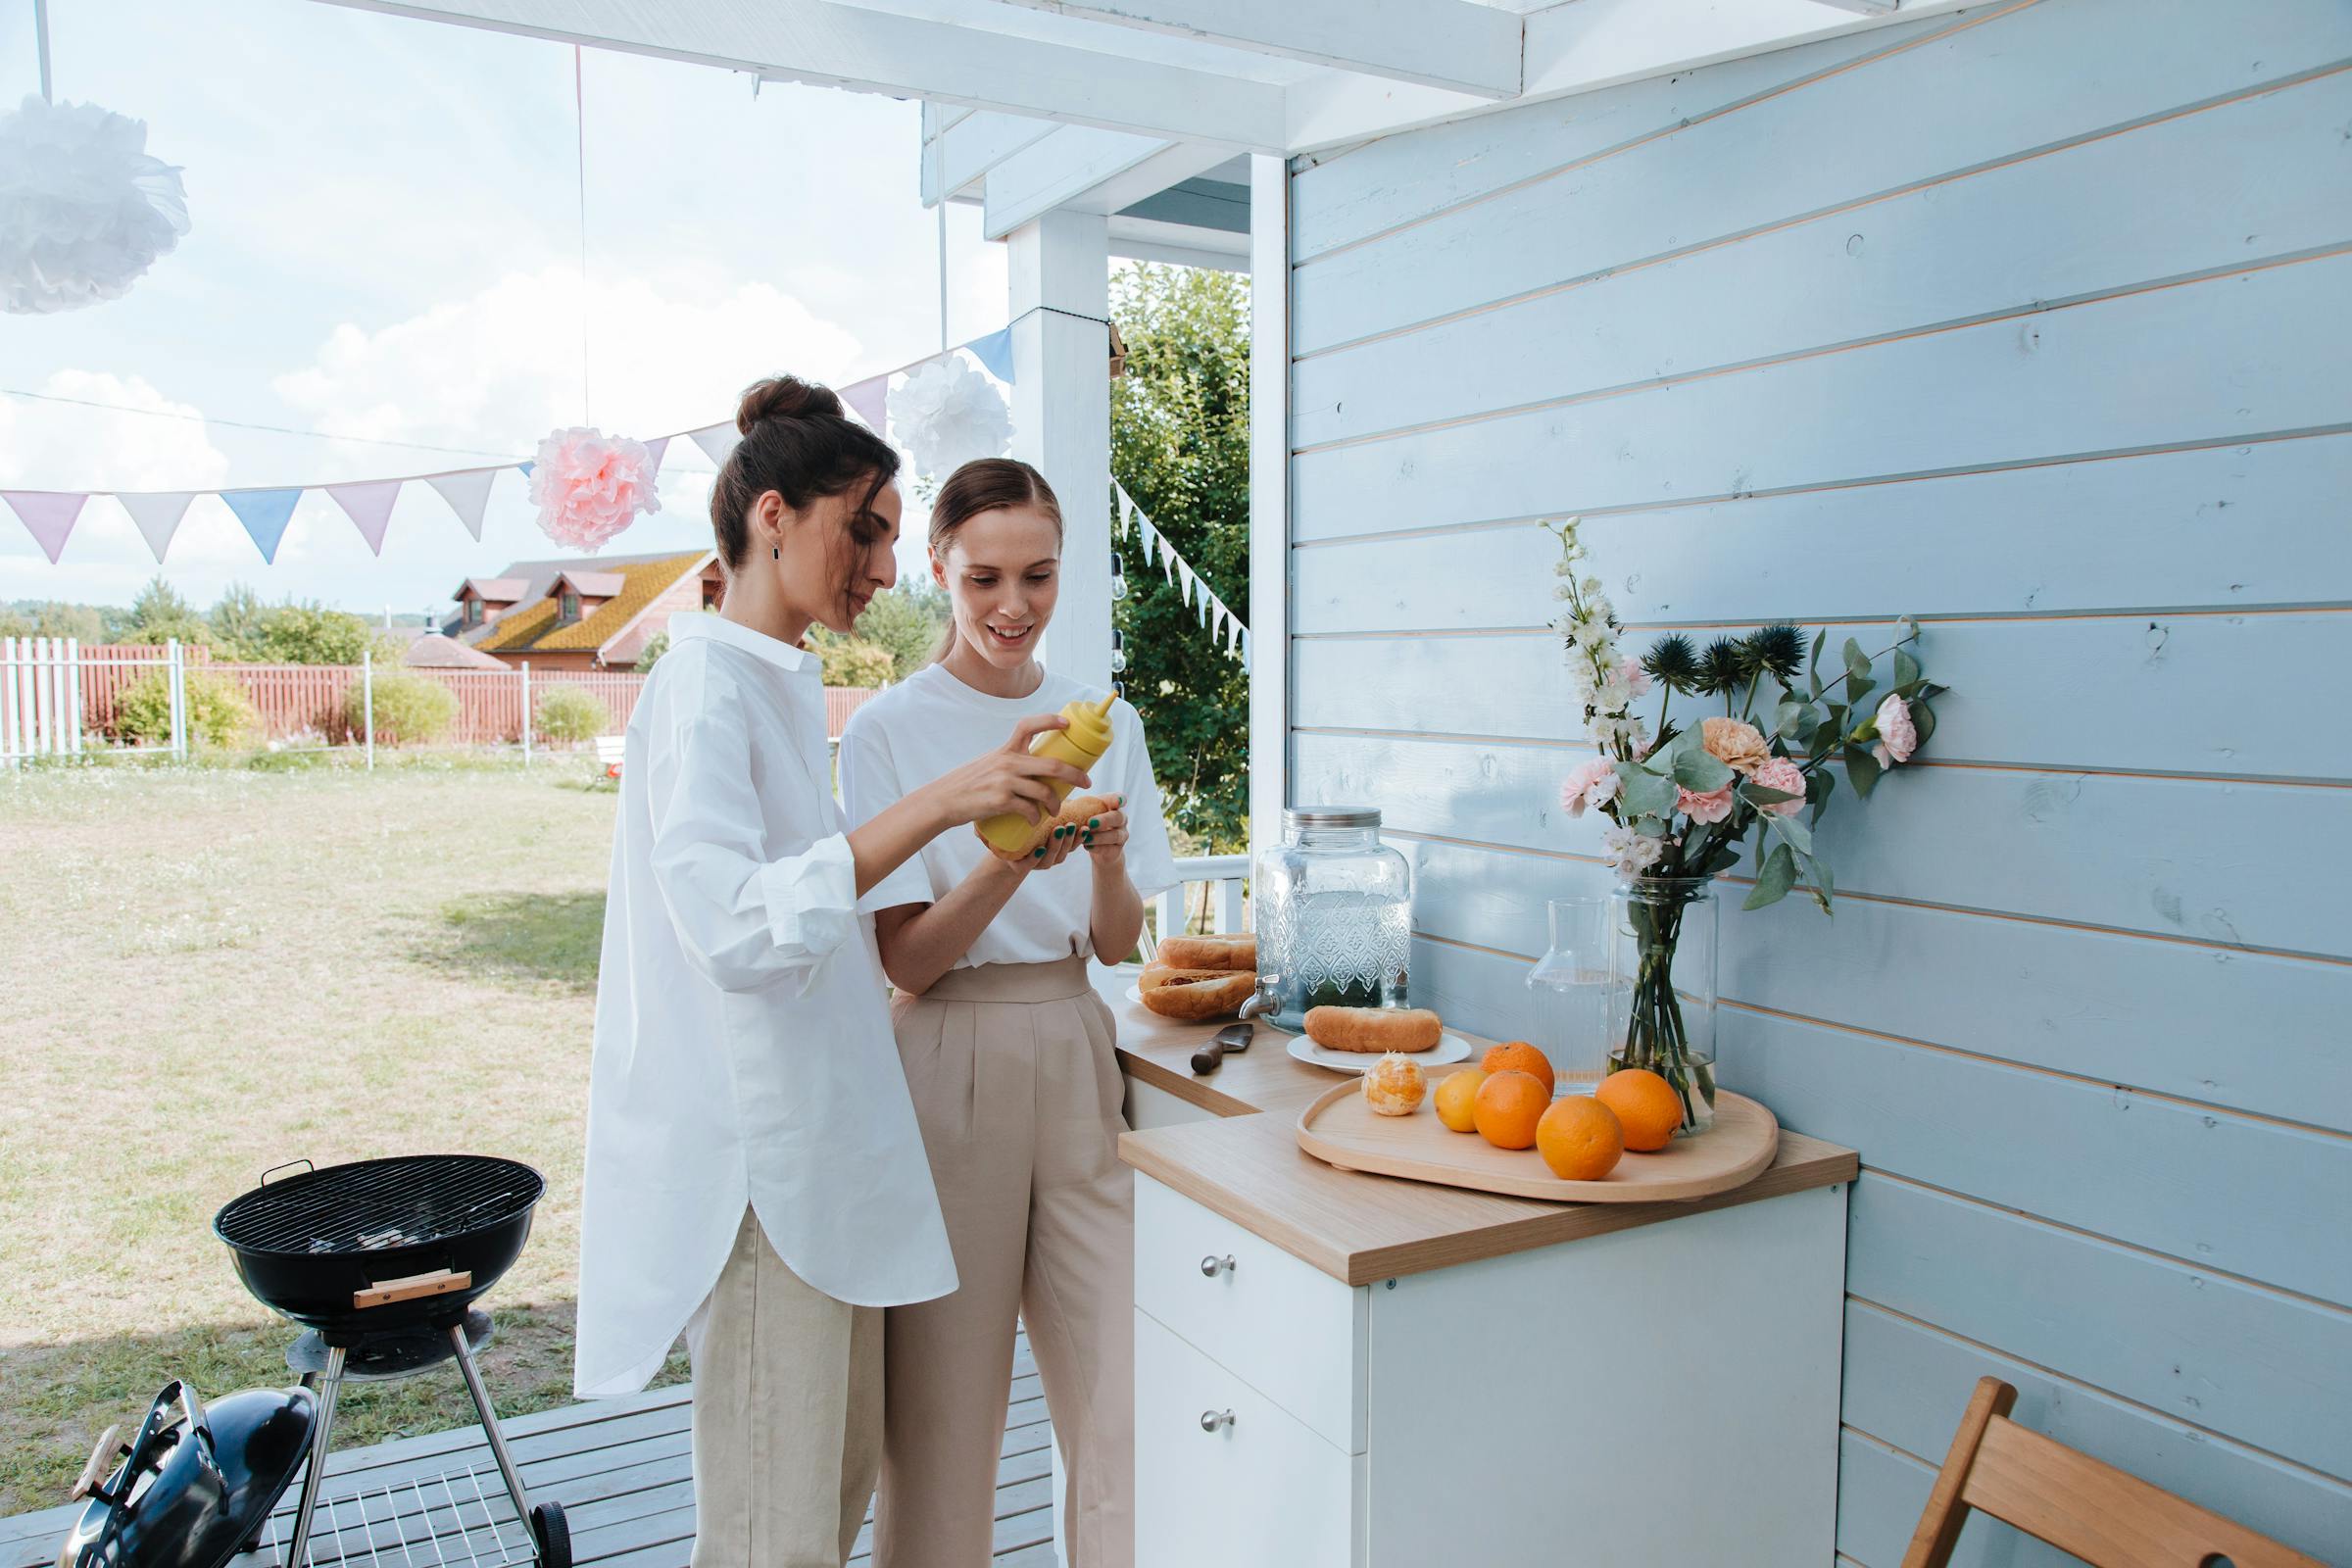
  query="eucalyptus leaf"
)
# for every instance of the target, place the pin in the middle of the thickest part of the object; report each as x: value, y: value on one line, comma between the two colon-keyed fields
x: 1906, y: 672
x: 1700, y: 771
x: 1721, y: 861
x: 1820, y: 785
x: 1861, y: 770
x: 1857, y: 663
x: 1799, y: 836
x: 1641, y: 792
x: 1775, y: 880
x: 1922, y: 719
x: 1757, y: 793
x: 1824, y: 887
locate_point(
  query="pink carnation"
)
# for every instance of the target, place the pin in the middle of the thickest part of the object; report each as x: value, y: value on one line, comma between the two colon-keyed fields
x: 1898, y: 737
x: 1634, y: 678
x: 1594, y: 784
x: 589, y: 486
x: 1779, y: 773
x: 1712, y: 807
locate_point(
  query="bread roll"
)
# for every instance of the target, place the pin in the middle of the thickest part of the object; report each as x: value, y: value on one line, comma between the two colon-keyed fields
x: 1194, y: 993
x: 1209, y: 952
x: 1373, y: 1029
x: 1074, y: 812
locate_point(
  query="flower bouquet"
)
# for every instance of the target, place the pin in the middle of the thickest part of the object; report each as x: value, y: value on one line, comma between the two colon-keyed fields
x: 1681, y: 800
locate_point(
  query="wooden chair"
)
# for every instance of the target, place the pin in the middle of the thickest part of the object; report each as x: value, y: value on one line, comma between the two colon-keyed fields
x: 2105, y: 1516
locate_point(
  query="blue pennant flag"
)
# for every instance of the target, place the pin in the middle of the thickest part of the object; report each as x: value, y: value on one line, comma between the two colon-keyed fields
x: 264, y: 513
x: 526, y: 469
x: 996, y: 352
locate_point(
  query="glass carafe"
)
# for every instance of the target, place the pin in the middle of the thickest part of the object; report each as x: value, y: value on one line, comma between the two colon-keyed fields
x: 1572, y: 993
x: 1333, y: 914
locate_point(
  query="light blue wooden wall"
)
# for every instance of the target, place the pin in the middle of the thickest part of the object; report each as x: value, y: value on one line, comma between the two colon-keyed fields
x: 2034, y: 322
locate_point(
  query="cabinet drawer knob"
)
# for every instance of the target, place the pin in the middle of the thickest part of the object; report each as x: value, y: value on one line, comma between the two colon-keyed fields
x: 1213, y: 1266
x: 1210, y: 1420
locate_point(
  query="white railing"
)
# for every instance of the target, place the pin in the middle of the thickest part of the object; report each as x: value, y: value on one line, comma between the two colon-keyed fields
x: 1180, y: 909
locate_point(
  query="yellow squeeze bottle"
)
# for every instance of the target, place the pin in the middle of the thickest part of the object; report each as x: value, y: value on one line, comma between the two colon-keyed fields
x: 1081, y: 746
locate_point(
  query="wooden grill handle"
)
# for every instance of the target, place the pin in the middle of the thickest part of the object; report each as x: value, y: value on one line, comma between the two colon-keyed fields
x: 440, y: 1282
x: 102, y: 1457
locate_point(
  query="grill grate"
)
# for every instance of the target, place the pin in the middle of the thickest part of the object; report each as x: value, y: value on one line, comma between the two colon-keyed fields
x: 450, y: 1520
x: 376, y: 1204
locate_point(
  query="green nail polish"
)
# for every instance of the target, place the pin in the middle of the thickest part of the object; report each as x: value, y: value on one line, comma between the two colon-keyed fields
x: 1094, y: 822
x: 1040, y: 852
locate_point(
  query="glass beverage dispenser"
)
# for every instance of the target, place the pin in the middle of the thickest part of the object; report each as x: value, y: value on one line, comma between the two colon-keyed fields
x: 1333, y: 914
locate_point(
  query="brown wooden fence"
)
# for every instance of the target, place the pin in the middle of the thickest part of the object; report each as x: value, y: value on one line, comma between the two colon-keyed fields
x: 292, y: 701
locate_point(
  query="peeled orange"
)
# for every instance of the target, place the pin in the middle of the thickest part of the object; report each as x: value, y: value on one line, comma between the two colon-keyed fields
x: 1517, y: 1056
x: 1458, y: 1099
x: 1580, y: 1139
x: 1645, y: 1104
x: 1506, y: 1108
x: 1394, y: 1086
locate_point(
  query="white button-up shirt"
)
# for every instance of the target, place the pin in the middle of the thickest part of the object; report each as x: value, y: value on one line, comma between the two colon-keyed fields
x: 743, y: 1046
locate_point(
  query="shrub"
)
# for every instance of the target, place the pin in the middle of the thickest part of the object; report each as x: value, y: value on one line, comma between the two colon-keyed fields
x: 219, y: 713
x: 654, y: 647
x: 852, y: 660
x: 311, y: 634
x: 569, y: 714
x: 410, y: 710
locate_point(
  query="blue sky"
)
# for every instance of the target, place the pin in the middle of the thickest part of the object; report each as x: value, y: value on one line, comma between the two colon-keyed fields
x: 386, y: 249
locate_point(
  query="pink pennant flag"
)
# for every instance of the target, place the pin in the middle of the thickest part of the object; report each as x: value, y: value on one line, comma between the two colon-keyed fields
x: 48, y: 515
x: 369, y: 505
x: 467, y: 493
x: 656, y: 447
x: 869, y: 400
x: 717, y: 441
x: 157, y: 517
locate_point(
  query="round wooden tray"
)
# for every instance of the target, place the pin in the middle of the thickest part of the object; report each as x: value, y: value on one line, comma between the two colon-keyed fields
x: 1341, y: 1128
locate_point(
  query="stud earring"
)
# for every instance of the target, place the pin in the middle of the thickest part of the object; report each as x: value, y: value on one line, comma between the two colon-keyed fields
x: 777, y: 551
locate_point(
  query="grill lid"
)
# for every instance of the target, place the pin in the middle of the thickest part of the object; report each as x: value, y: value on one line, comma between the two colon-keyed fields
x: 373, y: 1205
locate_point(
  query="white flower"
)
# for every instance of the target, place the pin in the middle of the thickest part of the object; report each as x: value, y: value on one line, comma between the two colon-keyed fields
x: 1631, y: 852
x: 1590, y: 586
x: 946, y: 413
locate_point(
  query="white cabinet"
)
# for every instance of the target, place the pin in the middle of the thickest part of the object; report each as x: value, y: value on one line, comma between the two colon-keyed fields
x: 1665, y: 1396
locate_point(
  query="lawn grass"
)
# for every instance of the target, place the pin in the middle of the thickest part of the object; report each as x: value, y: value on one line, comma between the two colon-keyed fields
x: 213, y: 970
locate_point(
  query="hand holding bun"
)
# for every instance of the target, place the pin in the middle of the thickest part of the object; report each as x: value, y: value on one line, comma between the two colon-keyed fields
x: 1074, y: 814
x: 1373, y: 1030
x: 1192, y: 995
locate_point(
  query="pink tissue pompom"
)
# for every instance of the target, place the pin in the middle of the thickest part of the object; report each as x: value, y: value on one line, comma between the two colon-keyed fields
x: 1898, y: 737
x: 589, y: 486
x: 1594, y: 784
x: 1712, y: 807
x: 1779, y: 773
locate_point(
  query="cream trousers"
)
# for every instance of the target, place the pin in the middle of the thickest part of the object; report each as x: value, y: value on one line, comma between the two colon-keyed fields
x: 1017, y: 1088
x: 787, y: 1415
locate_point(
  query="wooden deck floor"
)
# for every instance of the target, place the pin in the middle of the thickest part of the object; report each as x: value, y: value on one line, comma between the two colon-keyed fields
x: 620, y: 1467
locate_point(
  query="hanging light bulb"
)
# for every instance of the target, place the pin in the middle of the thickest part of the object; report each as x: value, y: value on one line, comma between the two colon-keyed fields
x: 1118, y: 580
x: 1118, y: 652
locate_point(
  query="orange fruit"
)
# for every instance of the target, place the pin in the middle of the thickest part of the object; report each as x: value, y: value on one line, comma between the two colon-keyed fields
x: 1394, y: 1086
x: 1580, y: 1139
x: 1517, y: 1056
x: 1646, y: 1106
x: 1506, y: 1108
x: 1458, y: 1099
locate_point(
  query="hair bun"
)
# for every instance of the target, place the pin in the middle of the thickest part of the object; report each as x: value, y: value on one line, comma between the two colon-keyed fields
x: 785, y: 397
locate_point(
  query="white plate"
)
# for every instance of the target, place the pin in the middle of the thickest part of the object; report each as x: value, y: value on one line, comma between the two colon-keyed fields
x: 1450, y: 1046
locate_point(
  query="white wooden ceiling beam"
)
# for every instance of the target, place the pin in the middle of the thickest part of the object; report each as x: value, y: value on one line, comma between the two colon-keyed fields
x: 834, y: 45
x: 1584, y: 46
x: 1456, y: 44
x: 1145, y: 239
x: 1079, y: 168
x: 959, y: 157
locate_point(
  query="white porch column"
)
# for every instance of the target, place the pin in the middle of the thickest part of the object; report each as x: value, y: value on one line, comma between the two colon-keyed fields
x: 1062, y: 417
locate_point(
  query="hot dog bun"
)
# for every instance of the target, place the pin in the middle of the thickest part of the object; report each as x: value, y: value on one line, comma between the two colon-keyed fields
x: 1209, y: 952
x: 1073, y: 814
x: 1194, y: 993
x: 1373, y: 1029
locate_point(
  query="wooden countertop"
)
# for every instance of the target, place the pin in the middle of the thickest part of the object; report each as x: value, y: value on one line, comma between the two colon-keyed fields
x: 1246, y: 1166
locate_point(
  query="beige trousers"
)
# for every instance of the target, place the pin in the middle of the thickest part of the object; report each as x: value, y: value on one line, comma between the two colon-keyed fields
x: 1019, y: 1090
x: 787, y: 1415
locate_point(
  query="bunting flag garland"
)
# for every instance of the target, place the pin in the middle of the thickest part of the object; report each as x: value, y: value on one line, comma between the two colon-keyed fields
x: 1210, y: 611
x: 654, y: 451
x: 51, y: 515
x: 157, y: 517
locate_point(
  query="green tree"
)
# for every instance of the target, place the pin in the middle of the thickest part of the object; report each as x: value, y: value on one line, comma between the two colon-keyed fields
x: 851, y: 660
x: 237, y: 622
x: 159, y: 614
x: 1180, y: 446
x: 907, y: 620
x: 313, y: 634
x: 53, y: 617
x: 654, y: 647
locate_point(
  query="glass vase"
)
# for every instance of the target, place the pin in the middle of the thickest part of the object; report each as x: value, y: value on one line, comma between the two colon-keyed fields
x: 1662, y: 953
x: 1571, y: 989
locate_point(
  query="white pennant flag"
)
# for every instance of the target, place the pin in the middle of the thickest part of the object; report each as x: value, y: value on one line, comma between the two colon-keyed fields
x: 655, y: 450
x: 1145, y: 536
x: 157, y: 517
x: 467, y: 492
x: 717, y: 441
x: 1126, y: 510
x: 1184, y: 589
x: 1167, y: 559
x: 369, y: 505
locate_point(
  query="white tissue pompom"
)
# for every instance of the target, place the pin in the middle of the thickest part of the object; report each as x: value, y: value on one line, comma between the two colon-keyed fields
x: 946, y: 414
x: 83, y: 210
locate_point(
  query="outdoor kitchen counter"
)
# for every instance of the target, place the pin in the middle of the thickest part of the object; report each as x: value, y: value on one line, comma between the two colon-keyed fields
x: 1231, y: 1147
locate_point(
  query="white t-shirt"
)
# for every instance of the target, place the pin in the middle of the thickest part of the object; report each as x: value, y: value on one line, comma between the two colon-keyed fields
x: 930, y: 724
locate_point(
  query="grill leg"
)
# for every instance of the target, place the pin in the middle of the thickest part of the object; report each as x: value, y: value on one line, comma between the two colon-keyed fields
x: 489, y: 1414
x: 298, y: 1553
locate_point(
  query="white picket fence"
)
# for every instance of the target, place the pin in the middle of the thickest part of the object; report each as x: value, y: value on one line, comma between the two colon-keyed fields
x: 42, y: 706
x: 1226, y: 877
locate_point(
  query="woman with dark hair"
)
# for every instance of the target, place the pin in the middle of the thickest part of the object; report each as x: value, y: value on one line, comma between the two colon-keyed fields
x: 1009, y: 1055
x: 754, y: 1174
